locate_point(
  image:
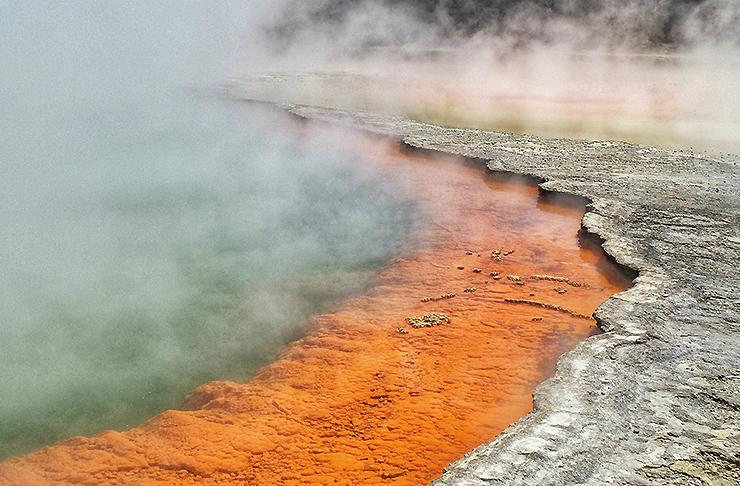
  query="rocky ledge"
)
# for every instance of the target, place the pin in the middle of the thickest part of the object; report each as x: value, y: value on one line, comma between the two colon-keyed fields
x: 656, y: 399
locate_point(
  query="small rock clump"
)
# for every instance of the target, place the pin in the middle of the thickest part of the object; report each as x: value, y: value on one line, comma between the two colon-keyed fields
x: 427, y: 320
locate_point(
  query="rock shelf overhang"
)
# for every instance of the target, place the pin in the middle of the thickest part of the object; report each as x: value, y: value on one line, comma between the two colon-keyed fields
x: 656, y: 399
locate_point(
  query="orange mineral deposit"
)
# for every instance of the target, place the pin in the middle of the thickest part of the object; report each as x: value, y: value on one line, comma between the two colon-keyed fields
x: 439, y: 356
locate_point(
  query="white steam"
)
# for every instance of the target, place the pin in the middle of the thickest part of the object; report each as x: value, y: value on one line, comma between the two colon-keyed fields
x: 152, y: 238
x: 659, y: 72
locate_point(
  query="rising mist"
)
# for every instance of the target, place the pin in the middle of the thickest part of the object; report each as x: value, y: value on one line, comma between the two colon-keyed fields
x: 649, y: 71
x: 155, y: 236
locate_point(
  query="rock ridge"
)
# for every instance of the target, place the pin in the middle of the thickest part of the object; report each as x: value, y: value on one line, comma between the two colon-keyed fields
x: 656, y: 399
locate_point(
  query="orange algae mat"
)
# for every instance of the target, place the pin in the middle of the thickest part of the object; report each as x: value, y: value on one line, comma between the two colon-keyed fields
x: 365, y: 397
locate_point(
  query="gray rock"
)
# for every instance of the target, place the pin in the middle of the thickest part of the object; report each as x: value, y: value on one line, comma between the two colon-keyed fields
x: 656, y: 399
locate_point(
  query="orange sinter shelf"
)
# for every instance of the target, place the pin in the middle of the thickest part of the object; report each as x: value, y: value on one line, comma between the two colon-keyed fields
x: 439, y: 356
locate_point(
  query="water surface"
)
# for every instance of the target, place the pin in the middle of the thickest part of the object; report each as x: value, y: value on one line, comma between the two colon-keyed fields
x: 154, y: 238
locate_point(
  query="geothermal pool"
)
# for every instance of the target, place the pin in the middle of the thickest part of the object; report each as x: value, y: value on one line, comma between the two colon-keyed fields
x: 145, y: 258
x: 365, y: 397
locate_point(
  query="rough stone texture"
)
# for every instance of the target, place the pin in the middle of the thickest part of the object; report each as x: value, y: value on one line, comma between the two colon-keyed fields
x: 656, y: 399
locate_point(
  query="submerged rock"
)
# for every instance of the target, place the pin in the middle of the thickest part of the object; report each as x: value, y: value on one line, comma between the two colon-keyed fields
x: 656, y: 398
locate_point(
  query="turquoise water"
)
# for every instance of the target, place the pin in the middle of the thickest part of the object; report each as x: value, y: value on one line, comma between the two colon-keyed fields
x: 153, y: 238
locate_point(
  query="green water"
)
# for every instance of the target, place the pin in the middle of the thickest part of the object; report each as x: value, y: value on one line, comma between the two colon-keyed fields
x: 153, y: 239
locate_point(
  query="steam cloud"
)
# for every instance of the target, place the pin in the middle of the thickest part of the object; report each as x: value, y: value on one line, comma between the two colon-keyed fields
x: 658, y: 72
x: 153, y: 240
x: 102, y: 154
x: 662, y: 24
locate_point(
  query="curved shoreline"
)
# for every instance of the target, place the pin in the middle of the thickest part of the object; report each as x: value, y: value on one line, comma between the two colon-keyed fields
x: 655, y: 399
x: 371, y: 394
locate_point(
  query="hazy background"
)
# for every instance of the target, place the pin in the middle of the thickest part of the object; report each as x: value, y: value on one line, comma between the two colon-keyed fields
x: 660, y: 72
x: 153, y: 236
x: 627, y: 24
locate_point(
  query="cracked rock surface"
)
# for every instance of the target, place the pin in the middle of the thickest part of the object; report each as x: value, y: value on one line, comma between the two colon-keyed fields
x: 656, y: 399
